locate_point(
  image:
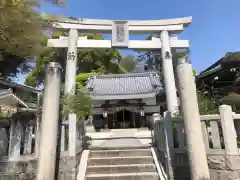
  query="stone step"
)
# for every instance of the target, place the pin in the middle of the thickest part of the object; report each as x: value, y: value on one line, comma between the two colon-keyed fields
x: 136, y: 168
x: 124, y: 176
x: 95, y: 148
x: 120, y: 152
x: 120, y: 160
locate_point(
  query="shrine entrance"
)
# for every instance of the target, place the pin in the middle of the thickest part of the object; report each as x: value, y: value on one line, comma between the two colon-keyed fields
x: 124, y: 119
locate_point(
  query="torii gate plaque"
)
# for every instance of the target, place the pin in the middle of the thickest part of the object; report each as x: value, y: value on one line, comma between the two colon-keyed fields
x: 120, y: 34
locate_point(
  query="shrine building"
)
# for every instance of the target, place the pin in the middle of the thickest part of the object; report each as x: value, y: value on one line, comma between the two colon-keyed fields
x: 125, y: 100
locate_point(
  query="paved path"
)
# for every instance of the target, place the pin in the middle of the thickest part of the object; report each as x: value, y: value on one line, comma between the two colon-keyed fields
x: 121, y: 137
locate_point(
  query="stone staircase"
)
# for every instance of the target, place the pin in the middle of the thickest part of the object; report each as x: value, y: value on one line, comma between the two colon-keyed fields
x: 121, y: 163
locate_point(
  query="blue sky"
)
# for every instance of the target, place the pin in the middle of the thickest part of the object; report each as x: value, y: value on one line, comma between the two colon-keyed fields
x: 213, y: 32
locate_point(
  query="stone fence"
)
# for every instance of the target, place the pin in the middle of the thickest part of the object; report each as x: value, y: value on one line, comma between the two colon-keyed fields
x: 19, y: 142
x: 220, y: 133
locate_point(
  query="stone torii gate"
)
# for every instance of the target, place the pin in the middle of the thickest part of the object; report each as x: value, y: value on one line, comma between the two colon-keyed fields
x: 120, y: 39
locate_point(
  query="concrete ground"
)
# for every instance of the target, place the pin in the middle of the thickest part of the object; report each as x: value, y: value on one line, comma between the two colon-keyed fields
x: 120, y: 137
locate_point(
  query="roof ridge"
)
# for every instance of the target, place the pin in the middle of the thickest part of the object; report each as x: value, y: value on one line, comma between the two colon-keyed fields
x: 123, y: 75
x: 124, y: 86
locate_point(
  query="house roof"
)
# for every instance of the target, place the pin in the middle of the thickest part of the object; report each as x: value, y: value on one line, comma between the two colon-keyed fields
x: 124, y: 86
x: 7, y: 98
x: 20, y: 86
x: 230, y: 60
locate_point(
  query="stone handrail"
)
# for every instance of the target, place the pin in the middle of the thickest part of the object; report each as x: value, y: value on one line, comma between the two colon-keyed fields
x: 21, y: 143
x: 163, y: 140
x: 220, y: 138
x: 219, y: 132
x: 80, y: 137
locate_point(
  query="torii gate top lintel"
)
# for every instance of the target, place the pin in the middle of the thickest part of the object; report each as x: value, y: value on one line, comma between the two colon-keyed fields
x: 106, y: 22
x: 173, y: 26
x: 120, y: 31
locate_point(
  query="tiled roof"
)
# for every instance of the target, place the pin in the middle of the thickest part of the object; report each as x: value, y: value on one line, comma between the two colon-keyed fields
x: 8, y: 98
x: 124, y: 86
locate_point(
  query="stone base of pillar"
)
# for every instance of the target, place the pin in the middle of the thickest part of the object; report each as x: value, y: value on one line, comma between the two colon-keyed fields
x: 68, y: 168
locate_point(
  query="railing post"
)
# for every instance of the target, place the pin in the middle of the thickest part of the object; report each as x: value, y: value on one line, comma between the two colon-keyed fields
x: 28, y: 140
x: 229, y: 132
x: 49, y: 123
x: 168, y: 130
x: 37, y: 132
x: 72, y: 134
x: 163, y: 139
x: 63, y: 138
x: 16, y: 134
x: 4, y: 142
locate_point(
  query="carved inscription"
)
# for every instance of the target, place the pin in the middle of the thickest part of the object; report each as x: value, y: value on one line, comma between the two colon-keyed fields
x: 120, y: 32
x: 167, y: 55
x: 71, y: 56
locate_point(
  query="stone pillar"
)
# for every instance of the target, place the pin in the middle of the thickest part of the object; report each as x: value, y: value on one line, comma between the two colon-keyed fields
x: 28, y: 140
x: 229, y: 131
x: 169, y: 80
x: 49, y: 123
x: 72, y: 134
x: 16, y: 133
x: 71, y: 65
x: 37, y: 127
x: 3, y: 142
x: 190, y: 114
x: 70, y: 85
x: 63, y: 138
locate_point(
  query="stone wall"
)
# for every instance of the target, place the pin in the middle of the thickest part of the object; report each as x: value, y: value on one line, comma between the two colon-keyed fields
x: 26, y: 170
x: 224, y: 167
x: 17, y: 170
x: 221, y: 167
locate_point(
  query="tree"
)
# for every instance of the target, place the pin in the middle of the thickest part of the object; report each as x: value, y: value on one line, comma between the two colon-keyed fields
x: 21, y: 31
x: 79, y: 103
x: 206, y: 104
x: 21, y: 36
x: 127, y: 64
x: 233, y: 99
x: 89, y: 61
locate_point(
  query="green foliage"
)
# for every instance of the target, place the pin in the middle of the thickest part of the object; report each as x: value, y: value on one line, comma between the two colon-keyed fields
x: 194, y: 72
x: 232, y: 99
x: 127, y: 64
x: 11, y: 66
x: 82, y: 79
x: 90, y: 61
x: 20, y: 28
x: 206, y: 104
x: 80, y: 103
x: 21, y: 36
